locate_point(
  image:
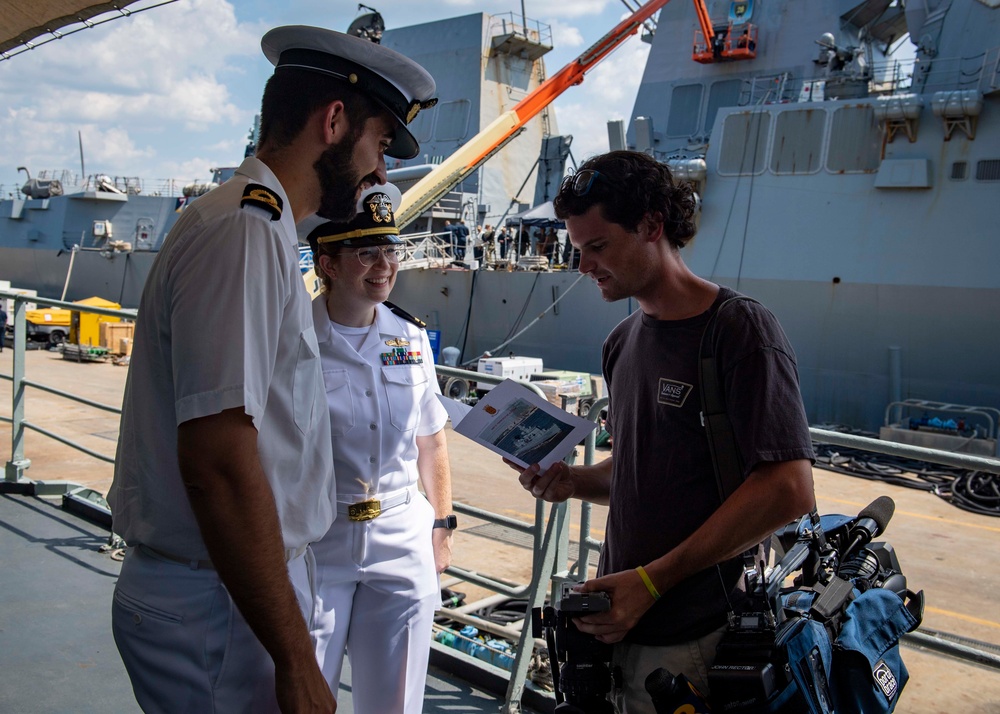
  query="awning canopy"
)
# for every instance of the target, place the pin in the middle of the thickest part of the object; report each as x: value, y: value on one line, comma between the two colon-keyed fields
x: 22, y: 22
x: 544, y: 214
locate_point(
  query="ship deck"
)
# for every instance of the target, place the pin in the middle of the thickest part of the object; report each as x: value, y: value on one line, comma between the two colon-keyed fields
x: 58, y: 654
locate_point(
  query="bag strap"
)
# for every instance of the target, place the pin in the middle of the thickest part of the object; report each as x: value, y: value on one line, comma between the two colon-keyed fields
x: 727, y: 462
x: 726, y: 459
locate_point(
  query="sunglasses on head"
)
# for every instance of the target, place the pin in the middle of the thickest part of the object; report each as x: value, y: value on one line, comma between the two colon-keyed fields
x: 581, y: 182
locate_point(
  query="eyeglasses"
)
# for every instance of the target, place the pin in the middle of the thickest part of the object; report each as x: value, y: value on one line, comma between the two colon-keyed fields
x: 581, y: 182
x: 369, y: 256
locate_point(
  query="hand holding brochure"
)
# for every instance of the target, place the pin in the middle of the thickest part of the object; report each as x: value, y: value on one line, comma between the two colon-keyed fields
x: 518, y: 424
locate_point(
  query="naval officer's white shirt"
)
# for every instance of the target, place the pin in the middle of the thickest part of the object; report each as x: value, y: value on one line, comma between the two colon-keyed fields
x: 377, y: 410
x: 224, y: 322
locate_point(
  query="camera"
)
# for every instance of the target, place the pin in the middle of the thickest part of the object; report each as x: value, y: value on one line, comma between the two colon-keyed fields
x: 748, y: 668
x: 836, y: 564
x: 580, y: 662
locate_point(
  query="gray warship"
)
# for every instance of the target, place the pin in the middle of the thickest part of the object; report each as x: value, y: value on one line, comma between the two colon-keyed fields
x: 847, y: 188
x: 850, y: 190
x: 75, y: 236
x: 848, y: 226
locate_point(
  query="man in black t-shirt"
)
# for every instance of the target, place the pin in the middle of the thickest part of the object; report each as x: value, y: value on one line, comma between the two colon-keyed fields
x: 671, y: 553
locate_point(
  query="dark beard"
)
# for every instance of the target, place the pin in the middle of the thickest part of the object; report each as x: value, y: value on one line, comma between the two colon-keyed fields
x: 338, y: 181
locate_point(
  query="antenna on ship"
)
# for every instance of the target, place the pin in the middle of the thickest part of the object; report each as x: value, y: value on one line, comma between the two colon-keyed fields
x: 368, y: 26
x: 83, y: 171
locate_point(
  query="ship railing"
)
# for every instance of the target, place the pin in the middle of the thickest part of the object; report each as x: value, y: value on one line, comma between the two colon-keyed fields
x: 426, y: 250
x: 75, y: 497
x: 508, y: 23
x: 940, y: 74
x: 70, y: 183
x: 553, y: 562
x: 131, y: 185
x: 926, y: 76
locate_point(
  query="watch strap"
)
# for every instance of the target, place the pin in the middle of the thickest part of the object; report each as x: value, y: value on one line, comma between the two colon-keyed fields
x: 449, y: 522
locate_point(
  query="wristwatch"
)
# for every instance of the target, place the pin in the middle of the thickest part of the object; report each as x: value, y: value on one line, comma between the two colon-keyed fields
x: 449, y: 522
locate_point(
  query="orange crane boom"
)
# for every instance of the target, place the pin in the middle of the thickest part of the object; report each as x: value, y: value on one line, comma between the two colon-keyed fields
x: 471, y: 155
x: 704, y: 20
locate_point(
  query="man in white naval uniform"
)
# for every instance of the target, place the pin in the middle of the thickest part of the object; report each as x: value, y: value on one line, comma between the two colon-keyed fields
x: 224, y: 472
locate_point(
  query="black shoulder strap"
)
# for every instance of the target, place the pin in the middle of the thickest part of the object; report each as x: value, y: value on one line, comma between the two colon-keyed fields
x: 403, y: 314
x: 261, y: 196
x: 726, y: 459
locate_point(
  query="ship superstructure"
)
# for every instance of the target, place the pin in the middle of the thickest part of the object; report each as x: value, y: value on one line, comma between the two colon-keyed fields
x: 483, y: 65
x: 850, y: 186
x: 854, y: 194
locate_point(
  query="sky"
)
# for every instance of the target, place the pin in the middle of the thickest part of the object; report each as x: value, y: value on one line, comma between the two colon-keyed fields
x: 171, y: 92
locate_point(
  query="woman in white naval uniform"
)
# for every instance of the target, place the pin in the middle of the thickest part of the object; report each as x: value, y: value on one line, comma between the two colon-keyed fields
x: 378, y: 566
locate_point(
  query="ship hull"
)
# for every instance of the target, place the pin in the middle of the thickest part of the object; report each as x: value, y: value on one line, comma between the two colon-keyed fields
x: 847, y: 337
x: 118, y: 277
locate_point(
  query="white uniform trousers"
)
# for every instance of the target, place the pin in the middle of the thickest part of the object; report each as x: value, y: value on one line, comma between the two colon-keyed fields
x: 184, y: 643
x: 377, y: 590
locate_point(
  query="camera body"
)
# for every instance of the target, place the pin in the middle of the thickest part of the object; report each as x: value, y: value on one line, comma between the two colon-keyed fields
x: 749, y: 668
x: 581, y: 660
x: 835, y: 564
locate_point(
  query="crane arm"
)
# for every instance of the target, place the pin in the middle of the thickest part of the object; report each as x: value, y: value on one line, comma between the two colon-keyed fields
x: 505, y: 127
x: 704, y: 20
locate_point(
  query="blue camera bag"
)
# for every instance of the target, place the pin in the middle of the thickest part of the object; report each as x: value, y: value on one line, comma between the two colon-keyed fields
x: 860, y: 672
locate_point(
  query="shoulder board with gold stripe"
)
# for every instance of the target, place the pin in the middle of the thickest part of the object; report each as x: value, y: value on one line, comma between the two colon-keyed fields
x: 262, y: 197
x: 403, y: 314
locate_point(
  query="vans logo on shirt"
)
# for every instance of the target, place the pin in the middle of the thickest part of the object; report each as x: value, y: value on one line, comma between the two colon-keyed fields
x: 673, y: 393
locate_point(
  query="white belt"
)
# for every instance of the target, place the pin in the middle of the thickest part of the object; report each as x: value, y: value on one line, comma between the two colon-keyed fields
x: 376, y: 505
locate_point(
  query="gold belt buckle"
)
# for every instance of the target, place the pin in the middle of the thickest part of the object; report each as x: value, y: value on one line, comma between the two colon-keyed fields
x: 365, y: 510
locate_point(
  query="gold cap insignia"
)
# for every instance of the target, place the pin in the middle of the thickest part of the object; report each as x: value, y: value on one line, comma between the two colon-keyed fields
x: 380, y: 206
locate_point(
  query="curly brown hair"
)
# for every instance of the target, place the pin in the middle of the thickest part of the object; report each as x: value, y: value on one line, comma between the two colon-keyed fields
x: 630, y: 186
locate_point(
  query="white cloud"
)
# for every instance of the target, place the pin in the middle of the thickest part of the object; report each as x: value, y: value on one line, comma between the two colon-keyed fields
x: 565, y: 36
x: 393, y: 11
x: 161, y: 72
x: 617, y: 78
x: 174, y: 89
x: 113, y: 150
x: 194, y: 170
x: 576, y: 8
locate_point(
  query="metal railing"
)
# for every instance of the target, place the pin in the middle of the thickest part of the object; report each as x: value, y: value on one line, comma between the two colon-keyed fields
x: 426, y: 250
x: 551, y: 562
x: 922, y: 76
x: 549, y: 531
x: 18, y: 463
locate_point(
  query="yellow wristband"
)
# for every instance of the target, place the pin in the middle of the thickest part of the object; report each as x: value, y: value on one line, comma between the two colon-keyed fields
x: 647, y: 582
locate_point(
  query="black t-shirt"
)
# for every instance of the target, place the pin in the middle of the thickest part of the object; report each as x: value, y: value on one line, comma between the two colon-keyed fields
x: 663, y: 485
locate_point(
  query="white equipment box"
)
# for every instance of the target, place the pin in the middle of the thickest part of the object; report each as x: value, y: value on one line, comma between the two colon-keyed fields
x: 508, y: 368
